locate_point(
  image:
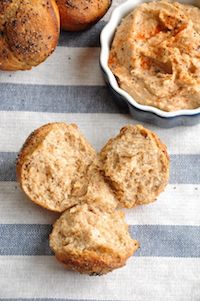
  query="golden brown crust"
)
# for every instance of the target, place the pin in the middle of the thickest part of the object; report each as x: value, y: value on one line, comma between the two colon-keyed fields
x: 78, y: 15
x: 89, y: 262
x: 29, y: 33
x: 124, y: 160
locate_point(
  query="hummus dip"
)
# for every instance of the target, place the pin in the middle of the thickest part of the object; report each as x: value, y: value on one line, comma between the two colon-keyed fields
x: 155, y: 55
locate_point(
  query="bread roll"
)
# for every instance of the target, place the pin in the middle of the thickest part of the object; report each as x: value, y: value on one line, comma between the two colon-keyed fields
x: 90, y: 241
x: 52, y: 166
x: 136, y: 165
x: 29, y: 32
x: 78, y: 15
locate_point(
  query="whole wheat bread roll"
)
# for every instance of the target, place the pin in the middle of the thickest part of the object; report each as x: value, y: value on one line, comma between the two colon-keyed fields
x: 76, y: 15
x: 136, y: 165
x: 59, y: 170
x: 90, y: 241
x: 29, y: 32
x: 53, y: 164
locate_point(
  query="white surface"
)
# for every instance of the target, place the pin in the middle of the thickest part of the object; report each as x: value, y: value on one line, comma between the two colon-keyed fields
x: 143, y: 279
x: 178, y: 205
x: 18, y: 209
x: 66, y: 66
x: 98, y: 128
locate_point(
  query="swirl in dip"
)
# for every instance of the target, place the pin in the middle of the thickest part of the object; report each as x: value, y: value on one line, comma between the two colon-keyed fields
x: 155, y: 55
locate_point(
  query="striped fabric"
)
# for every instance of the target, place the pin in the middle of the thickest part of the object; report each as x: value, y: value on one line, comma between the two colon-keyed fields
x: 69, y: 87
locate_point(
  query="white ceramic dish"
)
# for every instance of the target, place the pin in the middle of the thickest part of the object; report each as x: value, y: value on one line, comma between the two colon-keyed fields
x: 141, y: 112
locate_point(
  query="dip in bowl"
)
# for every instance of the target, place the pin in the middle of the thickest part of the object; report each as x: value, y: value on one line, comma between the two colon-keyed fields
x: 150, y: 55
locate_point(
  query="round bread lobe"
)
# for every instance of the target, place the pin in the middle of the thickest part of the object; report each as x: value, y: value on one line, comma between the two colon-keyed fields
x: 29, y: 32
x: 136, y: 165
x: 90, y: 241
x: 78, y: 15
x: 52, y: 166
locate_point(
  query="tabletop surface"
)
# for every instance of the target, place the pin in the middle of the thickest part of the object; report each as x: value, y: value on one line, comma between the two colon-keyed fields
x: 69, y: 87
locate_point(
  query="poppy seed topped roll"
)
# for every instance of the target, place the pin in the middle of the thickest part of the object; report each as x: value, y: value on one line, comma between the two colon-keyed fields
x: 29, y: 32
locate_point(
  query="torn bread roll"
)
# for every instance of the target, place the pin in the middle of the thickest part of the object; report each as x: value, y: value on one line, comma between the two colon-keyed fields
x: 57, y: 168
x: 52, y: 166
x: 90, y: 241
x: 136, y: 165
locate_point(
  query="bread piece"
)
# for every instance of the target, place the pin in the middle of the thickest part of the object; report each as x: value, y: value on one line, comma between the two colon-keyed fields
x: 52, y: 166
x: 90, y: 241
x: 99, y: 193
x: 29, y: 32
x: 78, y: 15
x: 136, y: 164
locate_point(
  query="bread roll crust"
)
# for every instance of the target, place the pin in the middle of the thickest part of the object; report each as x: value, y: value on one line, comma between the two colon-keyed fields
x: 136, y: 164
x: 78, y: 15
x: 29, y: 32
x: 90, y: 241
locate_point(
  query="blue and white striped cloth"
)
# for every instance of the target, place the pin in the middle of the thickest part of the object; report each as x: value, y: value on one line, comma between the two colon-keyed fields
x: 69, y: 87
